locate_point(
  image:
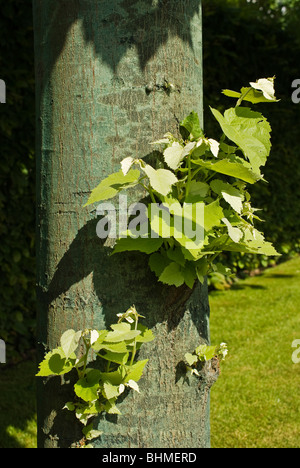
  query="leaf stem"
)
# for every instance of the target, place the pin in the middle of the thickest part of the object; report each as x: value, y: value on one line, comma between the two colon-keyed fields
x: 134, y: 345
x: 87, y: 349
x: 151, y: 194
x: 218, y: 253
x: 210, y: 177
x: 189, y: 176
x: 149, y: 190
x: 196, y: 171
x: 242, y: 98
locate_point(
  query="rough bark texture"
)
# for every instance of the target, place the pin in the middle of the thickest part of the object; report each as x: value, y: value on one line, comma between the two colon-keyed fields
x: 101, y: 74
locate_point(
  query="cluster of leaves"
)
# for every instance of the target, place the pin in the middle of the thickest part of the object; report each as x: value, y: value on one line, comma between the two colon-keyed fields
x: 201, y: 182
x: 112, y: 370
x: 205, y: 353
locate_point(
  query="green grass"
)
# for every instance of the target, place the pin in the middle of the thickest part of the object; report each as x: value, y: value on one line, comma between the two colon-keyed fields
x: 256, y: 401
x: 17, y: 406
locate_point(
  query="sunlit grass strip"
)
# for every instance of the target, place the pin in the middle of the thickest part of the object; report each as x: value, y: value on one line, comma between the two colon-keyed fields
x: 255, y: 402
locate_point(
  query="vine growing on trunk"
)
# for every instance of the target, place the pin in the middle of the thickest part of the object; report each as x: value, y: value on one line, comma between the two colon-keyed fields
x: 198, y: 200
x: 105, y: 364
x: 195, y: 182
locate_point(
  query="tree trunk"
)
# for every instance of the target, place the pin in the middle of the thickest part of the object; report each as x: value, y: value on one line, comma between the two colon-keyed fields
x: 103, y: 71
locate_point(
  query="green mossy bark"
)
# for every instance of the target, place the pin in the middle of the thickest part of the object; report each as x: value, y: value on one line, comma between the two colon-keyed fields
x: 102, y: 70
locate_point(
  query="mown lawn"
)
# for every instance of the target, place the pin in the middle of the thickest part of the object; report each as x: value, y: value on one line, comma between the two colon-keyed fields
x: 17, y: 406
x: 256, y: 400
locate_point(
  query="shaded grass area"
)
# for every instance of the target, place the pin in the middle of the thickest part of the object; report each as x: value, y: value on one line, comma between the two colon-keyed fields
x: 256, y: 401
x: 17, y: 406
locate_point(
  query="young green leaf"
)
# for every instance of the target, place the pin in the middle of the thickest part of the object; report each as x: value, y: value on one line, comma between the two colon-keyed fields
x: 158, y: 263
x: 132, y: 384
x: 113, y: 184
x: 249, y: 130
x: 55, y: 363
x: 82, y: 416
x: 94, y: 336
x: 110, y: 391
x: 222, y: 351
x: 146, y: 335
x: 234, y: 233
x: 231, y: 166
x: 202, y: 146
x: 189, y: 274
x: 96, y: 345
x: 201, y: 269
x: 205, y: 353
x: 126, y: 164
x: 161, y: 180
x: 115, y: 377
x: 69, y: 406
x: 146, y: 245
x: 69, y: 342
x: 214, y: 147
x: 176, y: 255
x: 260, y: 91
x: 213, y: 215
x: 173, y: 155
x: 172, y: 275
x: 91, y: 433
x: 117, y: 348
x: 192, y: 249
x: 222, y: 269
x: 247, y: 94
x: 190, y: 127
x: 256, y: 243
x: 191, y: 359
x: 232, y: 195
x: 135, y: 371
x: 121, y: 332
x: 110, y: 407
x: 117, y: 358
x: 197, y: 191
x: 266, y: 86
x: 161, y: 220
x: 162, y: 141
x: 233, y: 94
x: 87, y: 387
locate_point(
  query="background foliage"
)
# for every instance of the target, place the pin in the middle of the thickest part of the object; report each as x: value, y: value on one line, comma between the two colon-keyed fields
x: 243, y: 41
x: 246, y: 41
x: 17, y: 187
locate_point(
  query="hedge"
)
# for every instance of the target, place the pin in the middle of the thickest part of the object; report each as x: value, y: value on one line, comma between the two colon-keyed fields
x: 244, y: 42
x: 17, y: 173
